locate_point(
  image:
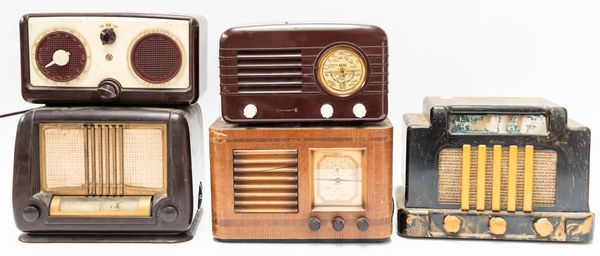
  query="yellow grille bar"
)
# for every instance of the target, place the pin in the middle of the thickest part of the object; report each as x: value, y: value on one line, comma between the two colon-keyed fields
x: 496, y: 177
x: 511, y: 201
x: 480, y: 192
x: 466, y: 178
x: 528, y: 180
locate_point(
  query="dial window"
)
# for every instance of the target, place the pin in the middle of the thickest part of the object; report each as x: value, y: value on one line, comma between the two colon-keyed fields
x: 342, y: 70
x: 338, y: 179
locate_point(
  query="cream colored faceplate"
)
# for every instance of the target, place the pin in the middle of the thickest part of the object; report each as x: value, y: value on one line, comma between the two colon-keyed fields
x: 98, y: 68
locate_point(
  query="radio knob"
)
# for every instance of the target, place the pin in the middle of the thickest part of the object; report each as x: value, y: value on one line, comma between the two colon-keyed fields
x: 314, y: 224
x: 452, y: 224
x: 338, y: 223
x: 326, y: 111
x: 362, y: 224
x: 108, y: 36
x: 497, y: 226
x: 543, y: 227
x: 109, y: 90
x: 250, y: 111
x: 31, y: 213
x: 359, y: 110
x: 168, y: 214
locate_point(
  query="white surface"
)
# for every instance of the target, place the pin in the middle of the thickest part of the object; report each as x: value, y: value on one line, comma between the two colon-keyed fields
x: 449, y: 48
x: 359, y: 110
x: 98, y: 68
x: 250, y: 111
x: 326, y: 110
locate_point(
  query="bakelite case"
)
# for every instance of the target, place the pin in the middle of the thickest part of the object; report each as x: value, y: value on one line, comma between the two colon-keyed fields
x: 458, y: 171
x: 264, y: 178
x: 171, y: 218
x: 270, y: 73
x: 112, y: 59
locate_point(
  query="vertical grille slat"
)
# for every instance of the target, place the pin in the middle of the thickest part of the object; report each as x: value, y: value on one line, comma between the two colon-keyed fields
x: 106, y: 170
x: 260, y: 71
x: 265, y: 181
x: 543, y: 183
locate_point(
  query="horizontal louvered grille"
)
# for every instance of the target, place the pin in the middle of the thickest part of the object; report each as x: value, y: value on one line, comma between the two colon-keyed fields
x: 269, y: 71
x: 265, y: 181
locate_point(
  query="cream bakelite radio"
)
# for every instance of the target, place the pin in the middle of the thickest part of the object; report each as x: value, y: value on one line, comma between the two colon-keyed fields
x: 133, y: 59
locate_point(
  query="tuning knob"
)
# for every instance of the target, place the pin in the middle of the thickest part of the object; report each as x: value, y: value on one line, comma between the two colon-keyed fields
x: 109, y: 90
x: 31, y: 213
x: 362, y: 224
x: 338, y: 223
x: 314, y: 224
x: 108, y: 36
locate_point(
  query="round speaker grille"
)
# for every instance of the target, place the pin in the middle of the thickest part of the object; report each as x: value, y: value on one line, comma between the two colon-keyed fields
x: 156, y: 58
x: 60, y: 56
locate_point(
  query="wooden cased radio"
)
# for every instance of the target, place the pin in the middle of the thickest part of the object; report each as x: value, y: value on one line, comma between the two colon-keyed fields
x: 117, y: 59
x: 304, y: 73
x: 304, y: 182
x: 90, y: 174
x: 495, y: 168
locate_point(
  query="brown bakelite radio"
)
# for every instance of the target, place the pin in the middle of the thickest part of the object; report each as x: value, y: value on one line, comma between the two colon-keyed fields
x: 496, y: 168
x: 304, y: 73
x: 89, y: 174
x: 119, y: 59
x: 304, y: 182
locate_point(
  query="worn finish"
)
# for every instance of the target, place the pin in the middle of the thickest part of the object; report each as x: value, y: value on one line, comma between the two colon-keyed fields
x: 171, y: 213
x: 275, y: 68
x: 110, y: 91
x: 422, y: 215
x: 323, y: 223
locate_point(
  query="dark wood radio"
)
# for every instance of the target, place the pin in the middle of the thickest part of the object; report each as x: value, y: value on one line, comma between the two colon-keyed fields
x: 305, y: 182
x: 304, y: 73
x: 495, y: 168
x: 106, y: 174
x: 104, y: 58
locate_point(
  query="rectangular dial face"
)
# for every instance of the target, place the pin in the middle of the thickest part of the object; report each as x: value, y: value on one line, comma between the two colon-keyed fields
x: 497, y: 124
x: 338, y: 179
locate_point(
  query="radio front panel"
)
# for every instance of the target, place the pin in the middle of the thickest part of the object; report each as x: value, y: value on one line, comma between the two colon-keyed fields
x: 308, y: 182
x: 337, y: 72
x: 108, y: 58
x: 496, y: 168
x: 104, y: 169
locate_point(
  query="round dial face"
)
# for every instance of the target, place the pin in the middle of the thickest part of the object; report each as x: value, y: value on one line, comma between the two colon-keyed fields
x: 60, y: 56
x: 342, y: 70
x: 338, y: 179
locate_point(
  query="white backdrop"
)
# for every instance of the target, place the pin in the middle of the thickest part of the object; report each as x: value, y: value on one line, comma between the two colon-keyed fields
x: 447, y: 48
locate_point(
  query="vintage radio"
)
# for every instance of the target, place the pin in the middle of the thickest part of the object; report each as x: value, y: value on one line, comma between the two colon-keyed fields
x: 496, y: 168
x: 304, y: 73
x: 304, y: 182
x: 94, y: 174
x: 139, y: 59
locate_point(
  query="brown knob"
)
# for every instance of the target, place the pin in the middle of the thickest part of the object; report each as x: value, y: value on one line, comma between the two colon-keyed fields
x: 109, y: 90
x: 314, y: 224
x: 543, y: 227
x: 168, y: 214
x: 452, y: 224
x: 362, y: 224
x: 338, y: 223
x: 497, y: 226
x: 31, y: 213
